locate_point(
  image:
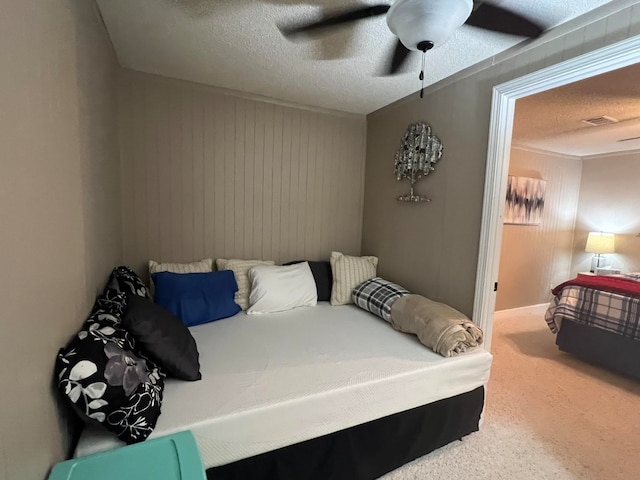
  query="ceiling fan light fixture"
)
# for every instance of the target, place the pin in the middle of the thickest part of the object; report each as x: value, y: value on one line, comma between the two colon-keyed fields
x: 415, y: 21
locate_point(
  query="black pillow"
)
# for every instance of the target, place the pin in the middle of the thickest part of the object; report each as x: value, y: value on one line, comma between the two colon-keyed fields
x: 163, y: 337
x: 106, y: 380
x: 322, y: 275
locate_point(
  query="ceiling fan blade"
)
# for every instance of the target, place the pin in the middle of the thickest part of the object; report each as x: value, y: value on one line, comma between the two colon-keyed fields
x: 336, y: 20
x: 492, y: 17
x: 399, y: 58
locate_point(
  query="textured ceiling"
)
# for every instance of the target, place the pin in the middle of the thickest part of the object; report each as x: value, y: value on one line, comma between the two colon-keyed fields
x: 235, y: 44
x: 552, y: 120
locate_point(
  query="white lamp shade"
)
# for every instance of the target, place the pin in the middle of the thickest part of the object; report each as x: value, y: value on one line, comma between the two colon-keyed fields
x: 415, y: 21
x: 599, y: 242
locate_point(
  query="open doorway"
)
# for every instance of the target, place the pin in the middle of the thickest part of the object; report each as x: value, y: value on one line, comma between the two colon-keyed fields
x: 579, y: 144
x: 601, y: 61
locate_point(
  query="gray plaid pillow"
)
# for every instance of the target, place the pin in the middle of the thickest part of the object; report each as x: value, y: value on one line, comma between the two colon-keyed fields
x: 377, y: 296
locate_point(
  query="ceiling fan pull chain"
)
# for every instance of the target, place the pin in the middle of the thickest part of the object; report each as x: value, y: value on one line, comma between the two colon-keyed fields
x: 422, y: 76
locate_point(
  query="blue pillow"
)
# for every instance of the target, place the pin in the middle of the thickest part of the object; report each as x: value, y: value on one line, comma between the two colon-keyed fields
x: 197, y: 298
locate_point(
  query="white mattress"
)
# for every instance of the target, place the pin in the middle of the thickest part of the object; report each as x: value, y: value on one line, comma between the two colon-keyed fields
x: 274, y: 380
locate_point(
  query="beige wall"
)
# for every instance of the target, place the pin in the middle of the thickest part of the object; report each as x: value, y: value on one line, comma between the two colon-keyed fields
x: 207, y: 173
x: 534, y: 258
x: 609, y: 201
x: 433, y: 248
x: 59, y: 210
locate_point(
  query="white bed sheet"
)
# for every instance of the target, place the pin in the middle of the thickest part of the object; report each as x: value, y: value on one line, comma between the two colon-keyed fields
x: 274, y: 380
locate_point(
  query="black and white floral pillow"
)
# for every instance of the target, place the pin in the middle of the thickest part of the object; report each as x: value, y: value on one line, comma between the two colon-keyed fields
x: 124, y: 279
x: 110, y: 305
x: 105, y: 379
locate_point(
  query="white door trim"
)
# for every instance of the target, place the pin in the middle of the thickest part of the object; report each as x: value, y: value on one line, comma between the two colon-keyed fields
x: 621, y: 54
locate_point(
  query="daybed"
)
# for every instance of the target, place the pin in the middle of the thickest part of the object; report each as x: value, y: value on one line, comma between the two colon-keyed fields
x: 597, y: 318
x: 316, y: 392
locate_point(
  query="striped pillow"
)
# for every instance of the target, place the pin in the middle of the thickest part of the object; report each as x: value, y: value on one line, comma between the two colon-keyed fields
x: 203, y: 266
x: 241, y: 271
x: 348, y: 273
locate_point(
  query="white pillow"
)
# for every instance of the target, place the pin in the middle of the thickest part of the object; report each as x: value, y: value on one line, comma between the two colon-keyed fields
x: 241, y: 271
x: 203, y: 266
x: 348, y: 273
x: 276, y: 289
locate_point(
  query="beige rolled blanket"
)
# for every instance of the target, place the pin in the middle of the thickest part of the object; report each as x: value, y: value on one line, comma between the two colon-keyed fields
x: 440, y: 327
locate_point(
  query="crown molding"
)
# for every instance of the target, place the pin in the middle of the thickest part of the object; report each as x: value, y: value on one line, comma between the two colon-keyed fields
x: 127, y: 72
x: 542, y: 151
x: 598, y: 156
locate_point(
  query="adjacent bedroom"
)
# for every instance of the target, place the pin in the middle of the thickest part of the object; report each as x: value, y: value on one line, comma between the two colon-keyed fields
x: 567, y: 298
x: 253, y: 239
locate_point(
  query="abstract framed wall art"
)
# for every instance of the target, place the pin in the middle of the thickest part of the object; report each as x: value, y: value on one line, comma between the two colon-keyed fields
x: 525, y: 200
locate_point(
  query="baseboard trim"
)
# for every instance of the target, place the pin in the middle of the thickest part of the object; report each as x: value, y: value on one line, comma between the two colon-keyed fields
x: 519, y: 309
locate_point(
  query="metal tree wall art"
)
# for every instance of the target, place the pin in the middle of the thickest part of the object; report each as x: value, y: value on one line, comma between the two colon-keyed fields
x: 417, y: 156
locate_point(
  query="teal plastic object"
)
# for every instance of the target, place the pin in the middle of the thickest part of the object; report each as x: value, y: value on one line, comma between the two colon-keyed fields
x: 174, y: 457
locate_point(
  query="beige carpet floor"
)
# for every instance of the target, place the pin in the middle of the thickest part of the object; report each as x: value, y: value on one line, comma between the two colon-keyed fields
x: 548, y: 415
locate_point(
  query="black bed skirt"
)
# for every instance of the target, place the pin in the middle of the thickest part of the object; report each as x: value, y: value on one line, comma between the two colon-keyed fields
x: 366, y: 451
x: 600, y: 347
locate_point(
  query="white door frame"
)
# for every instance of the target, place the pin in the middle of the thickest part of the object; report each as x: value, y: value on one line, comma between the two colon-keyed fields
x: 622, y: 54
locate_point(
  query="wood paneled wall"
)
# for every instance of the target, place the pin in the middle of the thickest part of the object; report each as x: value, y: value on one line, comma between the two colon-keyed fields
x: 534, y: 258
x: 207, y: 173
x: 609, y: 199
x: 432, y: 248
x: 59, y: 212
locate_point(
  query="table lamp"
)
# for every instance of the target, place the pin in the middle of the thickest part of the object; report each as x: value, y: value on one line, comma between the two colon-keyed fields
x: 599, y: 243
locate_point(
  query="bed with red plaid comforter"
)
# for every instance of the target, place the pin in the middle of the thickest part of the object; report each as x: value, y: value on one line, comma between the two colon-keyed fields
x: 601, y: 302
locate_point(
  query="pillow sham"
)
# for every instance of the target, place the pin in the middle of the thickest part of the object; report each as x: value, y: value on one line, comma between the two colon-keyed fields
x: 105, y: 380
x: 323, y: 277
x: 377, y: 296
x: 202, y: 266
x: 124, y: 279
x: 221, y: 264
x: 197, y: 298
x: 163, y: 337
x: 240, y: 269
x: 109, y: 305
x: 277, y: 289
x: 348, y: 273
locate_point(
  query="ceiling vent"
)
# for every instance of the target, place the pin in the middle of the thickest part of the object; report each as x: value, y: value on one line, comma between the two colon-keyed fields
x: 599, y: 121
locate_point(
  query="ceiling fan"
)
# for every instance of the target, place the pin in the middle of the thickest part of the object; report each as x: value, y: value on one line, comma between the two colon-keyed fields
x: 421, y: 25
